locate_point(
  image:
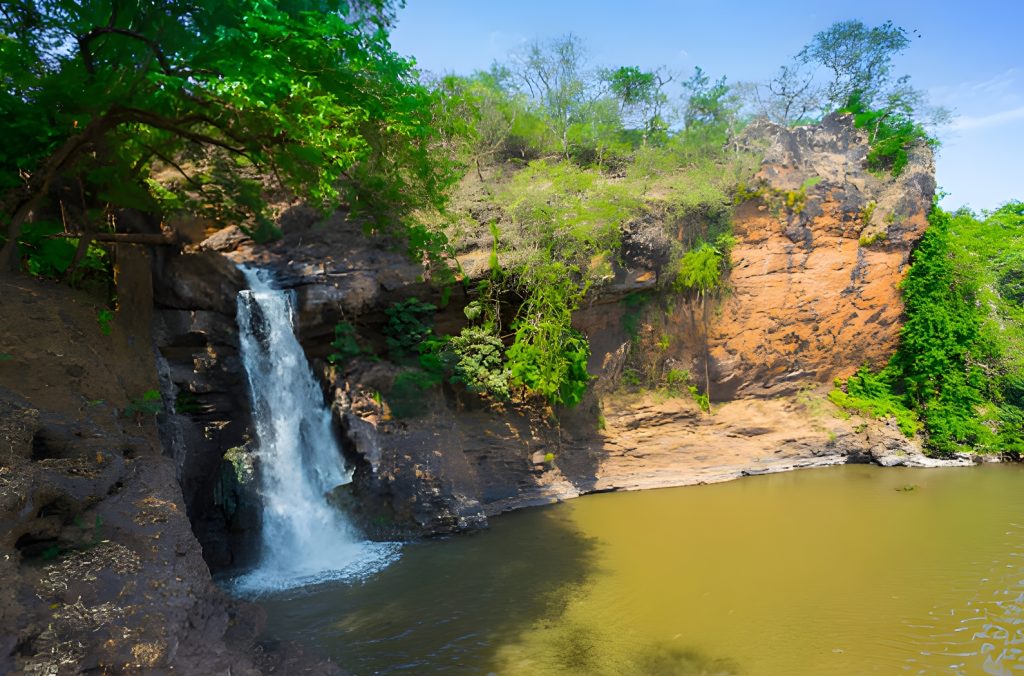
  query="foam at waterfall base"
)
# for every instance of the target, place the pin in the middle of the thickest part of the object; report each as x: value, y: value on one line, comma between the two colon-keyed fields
x: 364, y: 559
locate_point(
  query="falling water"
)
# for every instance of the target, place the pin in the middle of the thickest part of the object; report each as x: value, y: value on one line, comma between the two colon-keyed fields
x: 305, y: 539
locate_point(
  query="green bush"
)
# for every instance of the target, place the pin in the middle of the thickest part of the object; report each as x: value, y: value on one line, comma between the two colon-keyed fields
x: 408, y: 325
x: 891, y: 133
x: 103, y: 318
x: 406, y: 398
x: 561, y: 213
x: 46, y: 253
x: 345, y: 343
x: 146, y: 405
x: 869, y: 394
x: 476, y: 359
x: 675, y: 383
x: 553, y: 365
x: 703, y: 400
x: 548, y: 356
x: 701, y: 268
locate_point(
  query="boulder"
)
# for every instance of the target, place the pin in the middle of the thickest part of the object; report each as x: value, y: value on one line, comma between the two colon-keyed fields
x: 205, y: 280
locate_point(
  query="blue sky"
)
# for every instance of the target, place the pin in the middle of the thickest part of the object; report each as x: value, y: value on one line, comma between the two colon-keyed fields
x: 968, y: 57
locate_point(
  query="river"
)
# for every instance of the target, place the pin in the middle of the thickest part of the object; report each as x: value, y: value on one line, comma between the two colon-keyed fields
x: 844, y: 570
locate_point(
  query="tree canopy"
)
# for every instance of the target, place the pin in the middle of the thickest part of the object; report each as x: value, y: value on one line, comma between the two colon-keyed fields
x: 847, y: 59
x: 306, y: 93
x: 858, y: 58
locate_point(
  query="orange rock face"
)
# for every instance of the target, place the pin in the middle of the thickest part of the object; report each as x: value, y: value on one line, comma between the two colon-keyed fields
x: 819, y: 257
x: 813, y: 292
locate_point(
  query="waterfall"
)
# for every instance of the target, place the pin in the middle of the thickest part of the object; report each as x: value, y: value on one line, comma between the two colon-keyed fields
x: 305, y: 539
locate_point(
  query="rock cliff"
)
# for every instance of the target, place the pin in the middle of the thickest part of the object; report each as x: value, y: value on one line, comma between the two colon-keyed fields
x: 820, y: 251
x: 96, y: 499
x: 100, y: 569
x: 821, y: 245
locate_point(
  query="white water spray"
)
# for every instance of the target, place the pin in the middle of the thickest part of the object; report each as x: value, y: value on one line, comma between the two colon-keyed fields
x: 305, y: 539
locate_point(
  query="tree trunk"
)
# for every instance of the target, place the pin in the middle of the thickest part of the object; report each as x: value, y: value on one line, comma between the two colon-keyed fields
x: 9, y: 258
x: 83, y: 247
x: 39, y: 184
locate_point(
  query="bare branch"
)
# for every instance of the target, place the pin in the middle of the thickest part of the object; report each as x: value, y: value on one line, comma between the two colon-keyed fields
x: 85, y: 40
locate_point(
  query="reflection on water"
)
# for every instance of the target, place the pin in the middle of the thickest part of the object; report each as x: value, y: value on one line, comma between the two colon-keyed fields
x: 846, y: 570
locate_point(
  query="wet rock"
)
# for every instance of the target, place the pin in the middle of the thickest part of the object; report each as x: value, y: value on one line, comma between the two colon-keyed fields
x: 202, y: 380
x: 363, y: 439
x: 424, y: 492
x: 889, y: 448
x: 237, y: 496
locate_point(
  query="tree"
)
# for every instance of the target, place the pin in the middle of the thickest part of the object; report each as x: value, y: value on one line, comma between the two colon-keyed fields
x: 222, y: 94
x: 710, y: 109
x: 859, y: 59
x: 487, y: 111
x: 554, y: 76
x: 789, y: 97
x: 641, y: 98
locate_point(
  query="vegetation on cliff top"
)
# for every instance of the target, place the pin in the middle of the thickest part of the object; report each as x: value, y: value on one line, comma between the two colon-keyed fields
x: 571, y: 162
x: 198, y: 108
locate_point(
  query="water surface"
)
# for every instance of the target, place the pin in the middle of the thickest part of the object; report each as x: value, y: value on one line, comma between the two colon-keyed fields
x: 845, y: 570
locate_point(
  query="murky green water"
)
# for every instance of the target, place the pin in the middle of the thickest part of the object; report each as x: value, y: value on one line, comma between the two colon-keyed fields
x: 837, y: 571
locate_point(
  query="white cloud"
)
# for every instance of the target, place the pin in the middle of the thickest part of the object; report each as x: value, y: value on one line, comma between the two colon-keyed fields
x: 1001, y: 84
x: 1003, y: 88
x: 995, y: 119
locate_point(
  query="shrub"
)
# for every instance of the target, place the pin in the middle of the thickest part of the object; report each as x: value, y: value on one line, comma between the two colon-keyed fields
x: 47, y: 253
x: 406, y: 396
x: 148, y: 404
x: 345, y: 343
x: 869, y: 394
x: 551, y: 363
x: 548, y: 356
x: 890, y: 134
x: 703, y: 400
x: 103, y: 318
x: 700, y: 270
x: 476, y: 359
x: 407, y: 326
